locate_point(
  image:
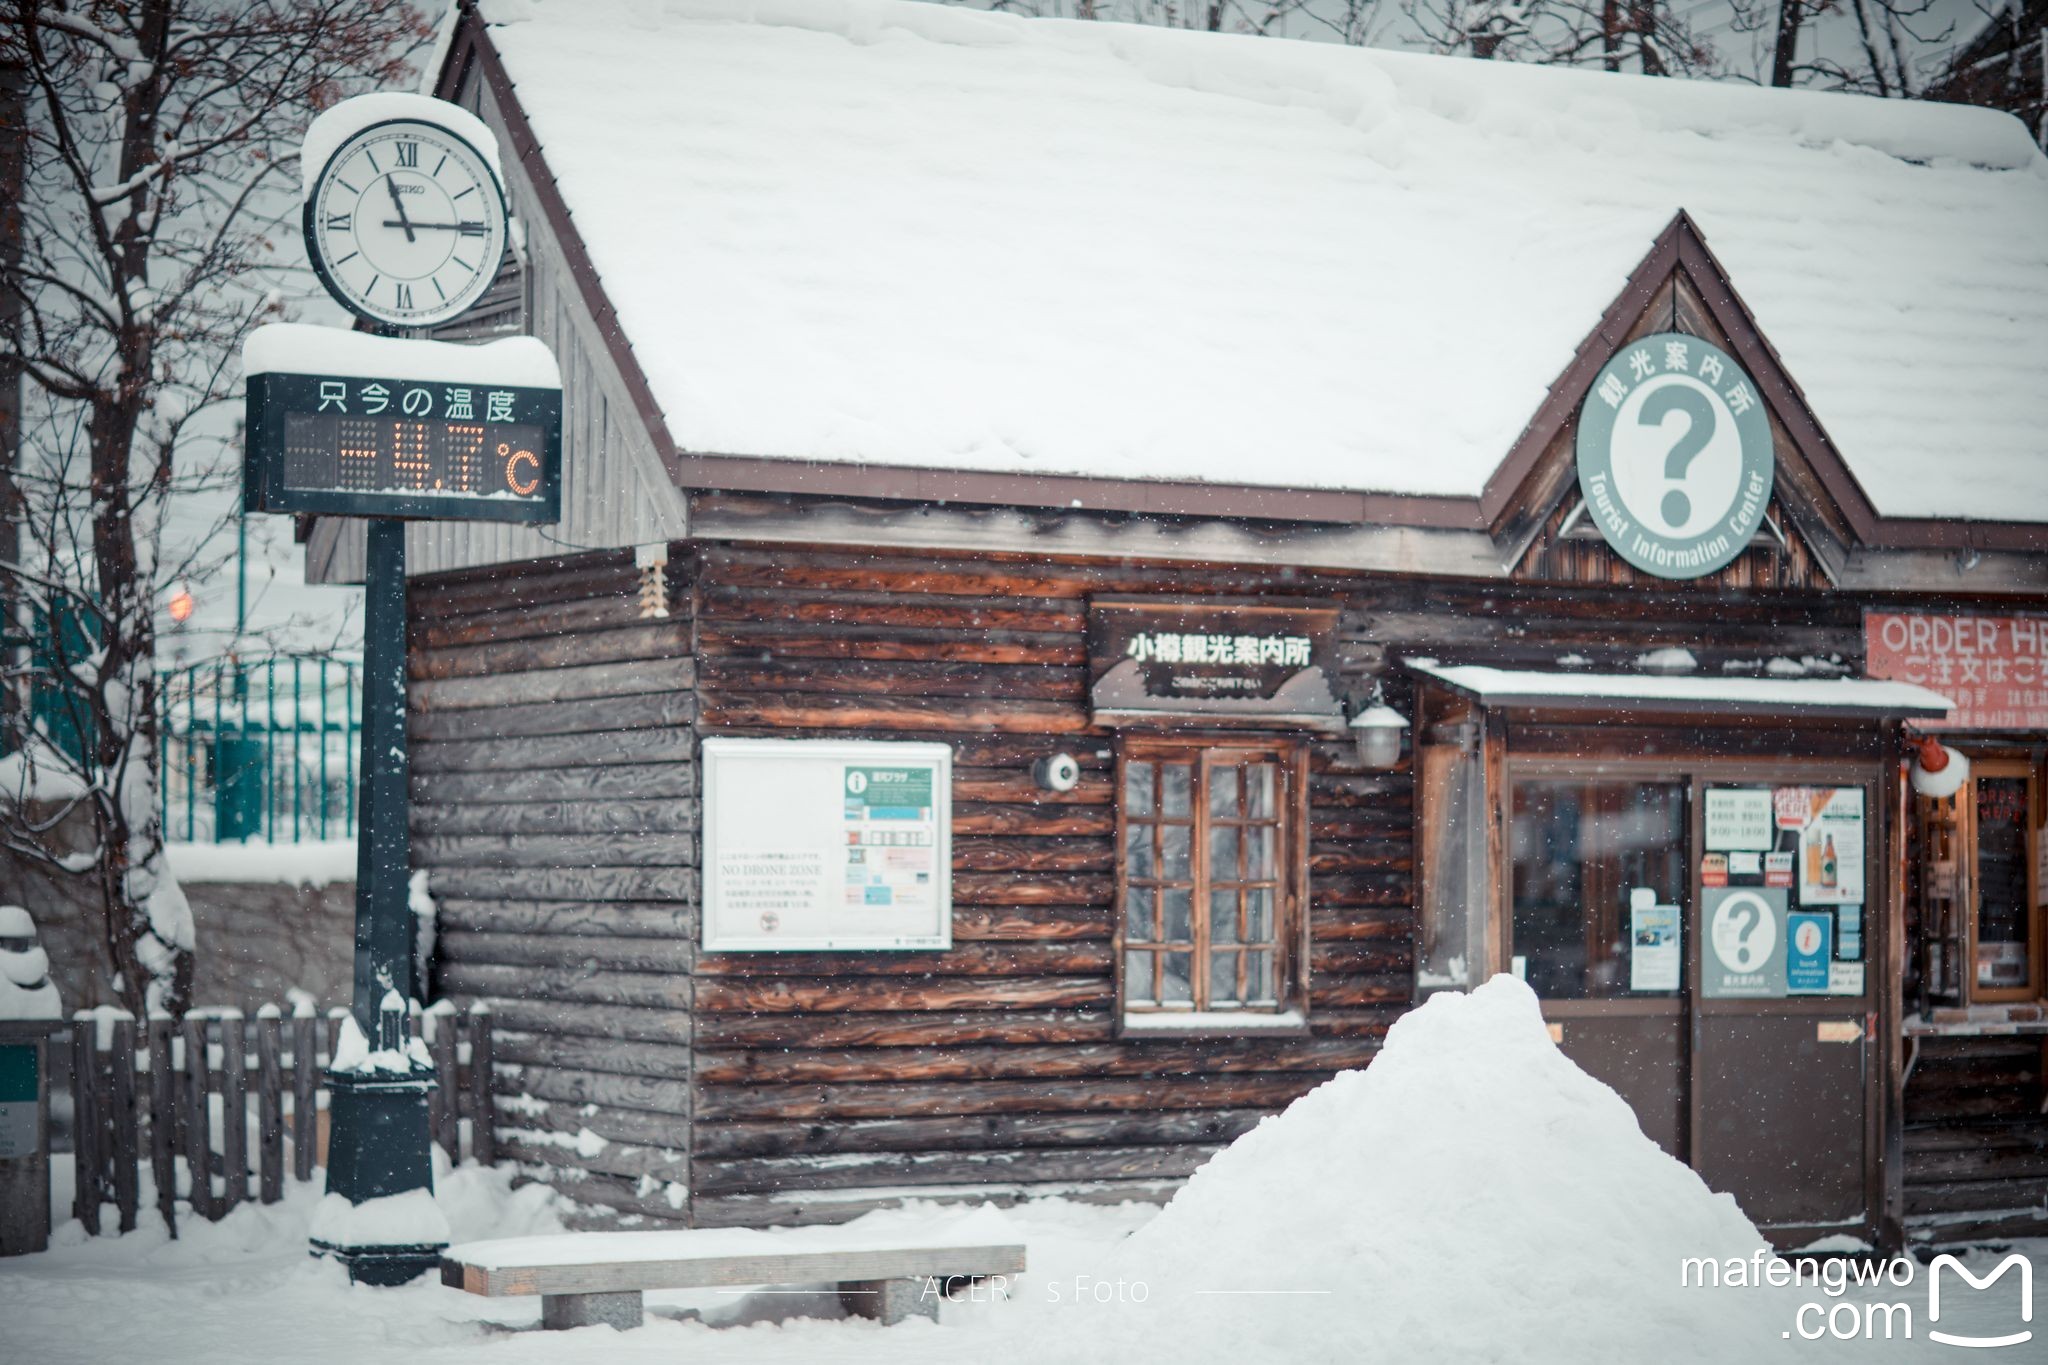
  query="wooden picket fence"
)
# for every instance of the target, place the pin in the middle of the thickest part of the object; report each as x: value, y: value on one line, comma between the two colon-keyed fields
x: 150, y: 1095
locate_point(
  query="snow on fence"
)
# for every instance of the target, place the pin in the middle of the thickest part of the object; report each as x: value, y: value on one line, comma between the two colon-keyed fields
x: 163, y: 1095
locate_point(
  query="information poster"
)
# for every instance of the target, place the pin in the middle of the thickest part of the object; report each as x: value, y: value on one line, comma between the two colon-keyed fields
x: 1831, y: 847
x: 827, y: 845
x: 1654, y: 960
x: 1745, y: 940
x: 1808, y: 951
x: 1739, y: 818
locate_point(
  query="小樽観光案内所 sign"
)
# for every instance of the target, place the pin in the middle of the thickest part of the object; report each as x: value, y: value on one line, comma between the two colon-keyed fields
x: 1263, y: 662
x: 385, y: 447
x: 1674, y: 455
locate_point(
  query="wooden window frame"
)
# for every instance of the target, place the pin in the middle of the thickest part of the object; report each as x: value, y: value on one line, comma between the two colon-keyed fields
x: 2026, y: 769
x: 1291, y: 920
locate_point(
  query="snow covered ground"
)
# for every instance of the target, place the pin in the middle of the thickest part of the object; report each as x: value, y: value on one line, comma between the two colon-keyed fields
x: 1471, y: 1197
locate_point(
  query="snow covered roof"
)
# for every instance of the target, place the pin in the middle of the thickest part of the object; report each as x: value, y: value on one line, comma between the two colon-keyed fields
x: 1752, y: 696
x: 915, y: 235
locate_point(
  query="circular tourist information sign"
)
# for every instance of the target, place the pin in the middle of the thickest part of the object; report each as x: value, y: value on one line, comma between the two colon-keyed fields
x: 1674, y: 455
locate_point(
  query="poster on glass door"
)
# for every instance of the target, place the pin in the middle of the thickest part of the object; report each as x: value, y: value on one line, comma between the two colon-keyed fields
x: 1745, y: 943
x: 1654, y: 962
x: 1828, y: 858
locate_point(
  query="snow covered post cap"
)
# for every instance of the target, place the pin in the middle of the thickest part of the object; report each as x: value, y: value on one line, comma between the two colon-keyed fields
x: 395, y: 1053
x: 26, y: 991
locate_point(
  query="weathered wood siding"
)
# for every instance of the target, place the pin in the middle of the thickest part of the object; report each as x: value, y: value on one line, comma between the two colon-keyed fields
x: 825, y: 1081
x: 554, y: 788
x: 1977, y: 1138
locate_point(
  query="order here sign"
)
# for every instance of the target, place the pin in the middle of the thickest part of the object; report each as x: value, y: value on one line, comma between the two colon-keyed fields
x: 1995, y: 668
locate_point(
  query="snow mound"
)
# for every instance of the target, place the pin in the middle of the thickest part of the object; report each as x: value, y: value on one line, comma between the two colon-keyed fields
x: 1472, y: 1195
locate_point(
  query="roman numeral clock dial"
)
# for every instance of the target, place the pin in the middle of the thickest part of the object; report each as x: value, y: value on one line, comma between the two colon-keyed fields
x: 406, y: 223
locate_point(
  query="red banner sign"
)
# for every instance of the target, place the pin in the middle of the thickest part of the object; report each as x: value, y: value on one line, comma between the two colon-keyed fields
x: 1994, y: 668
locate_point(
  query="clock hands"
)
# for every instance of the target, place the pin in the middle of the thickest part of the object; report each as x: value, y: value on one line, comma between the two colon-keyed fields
x: 399, y: 204
x: 466, y: 229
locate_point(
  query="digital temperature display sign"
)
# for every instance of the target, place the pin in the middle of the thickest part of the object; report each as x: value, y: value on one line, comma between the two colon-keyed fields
x: 352, y: 446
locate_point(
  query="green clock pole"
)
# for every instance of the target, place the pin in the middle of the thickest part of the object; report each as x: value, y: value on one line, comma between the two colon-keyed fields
x: 378, y: 1146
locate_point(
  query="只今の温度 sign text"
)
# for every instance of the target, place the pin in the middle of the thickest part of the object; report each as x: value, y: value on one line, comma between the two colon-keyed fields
x: 364, y: 446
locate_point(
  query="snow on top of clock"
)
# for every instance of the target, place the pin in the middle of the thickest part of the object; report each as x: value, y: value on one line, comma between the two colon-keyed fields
x: 928, y: 236
x: 300, y: 348
x: 328, y: 132
x: 405, y: 215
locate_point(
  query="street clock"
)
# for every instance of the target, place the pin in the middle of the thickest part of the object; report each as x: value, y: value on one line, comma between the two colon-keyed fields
x: 405, y: 222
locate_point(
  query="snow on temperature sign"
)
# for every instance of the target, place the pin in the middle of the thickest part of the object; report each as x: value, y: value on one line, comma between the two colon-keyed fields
x: 827, y: 845
x: 345, y: 424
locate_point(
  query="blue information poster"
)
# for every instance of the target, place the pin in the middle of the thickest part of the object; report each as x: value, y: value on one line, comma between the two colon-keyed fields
x: 1809, y: 946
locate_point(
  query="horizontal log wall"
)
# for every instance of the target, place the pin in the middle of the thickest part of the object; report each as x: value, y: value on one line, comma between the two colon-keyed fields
x: 825, y: 1082
x: 554, y: 788
x: 555, y: 785
x: 1977, y: 1138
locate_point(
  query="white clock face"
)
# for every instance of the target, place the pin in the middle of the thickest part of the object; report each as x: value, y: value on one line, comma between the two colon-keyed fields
x: 406, y: 224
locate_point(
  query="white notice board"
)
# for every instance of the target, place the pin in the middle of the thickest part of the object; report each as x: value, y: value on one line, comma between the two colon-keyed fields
x: 818, y: 844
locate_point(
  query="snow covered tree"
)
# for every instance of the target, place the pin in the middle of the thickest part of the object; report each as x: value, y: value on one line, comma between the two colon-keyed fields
x: 1650, y: 36
x: 1873, y: 47
x: 158, y: 219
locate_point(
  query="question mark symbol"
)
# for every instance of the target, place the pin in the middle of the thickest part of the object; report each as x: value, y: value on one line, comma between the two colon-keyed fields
x: 1750, y: 917
x: 1699, y: 410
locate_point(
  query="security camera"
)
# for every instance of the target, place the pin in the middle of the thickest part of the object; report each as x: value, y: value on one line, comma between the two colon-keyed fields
x: 1056, y: 772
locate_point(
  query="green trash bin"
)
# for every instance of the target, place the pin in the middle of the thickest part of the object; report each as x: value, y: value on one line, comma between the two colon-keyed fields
x: 237, y: 787
x: 25, y: 1135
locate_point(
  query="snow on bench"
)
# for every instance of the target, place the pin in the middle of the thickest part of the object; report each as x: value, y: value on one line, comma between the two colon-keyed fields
x: 587, y: 1278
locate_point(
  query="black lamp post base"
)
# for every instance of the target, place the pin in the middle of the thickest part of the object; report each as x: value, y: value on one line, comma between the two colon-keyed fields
x: 378, y: 1147
x: 384, y: 1266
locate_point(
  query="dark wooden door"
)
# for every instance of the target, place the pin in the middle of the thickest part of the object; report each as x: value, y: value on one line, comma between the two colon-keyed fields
x: 1780, y: 1096
x: 1641, y: 1054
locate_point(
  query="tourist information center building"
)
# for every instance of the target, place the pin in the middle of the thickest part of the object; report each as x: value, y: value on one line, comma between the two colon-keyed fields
x: 1100, y: 566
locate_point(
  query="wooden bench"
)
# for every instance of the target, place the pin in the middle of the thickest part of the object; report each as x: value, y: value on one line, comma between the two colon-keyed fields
x: 590, y: 1278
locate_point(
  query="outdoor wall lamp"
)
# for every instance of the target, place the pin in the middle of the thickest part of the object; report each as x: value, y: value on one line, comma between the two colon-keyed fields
x: 1938, y: 771
x: 1377, y: 732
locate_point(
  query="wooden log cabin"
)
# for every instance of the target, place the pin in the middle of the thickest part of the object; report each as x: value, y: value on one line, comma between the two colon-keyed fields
x: 1211, y: 475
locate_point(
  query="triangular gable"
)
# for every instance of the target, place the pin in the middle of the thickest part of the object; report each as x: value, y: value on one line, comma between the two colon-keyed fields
x: 1817, y: 511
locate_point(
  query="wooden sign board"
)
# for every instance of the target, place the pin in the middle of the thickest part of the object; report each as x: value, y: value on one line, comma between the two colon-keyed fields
x: 1994, y: 668
x: 827, y: 845
x: 1267, y: 663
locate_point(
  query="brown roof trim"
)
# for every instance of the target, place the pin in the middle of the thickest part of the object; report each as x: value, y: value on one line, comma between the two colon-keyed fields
x: 472, y: 44
x: 1681, y: 246
x: 1561, y: 405
x: 1784, y: 395
x: 1250, y: 502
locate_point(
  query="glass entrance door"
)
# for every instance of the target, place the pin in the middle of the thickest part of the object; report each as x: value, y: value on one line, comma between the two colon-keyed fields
x: 1700, y: 943
x: 1598, y: 908
x: 1780, y: 1039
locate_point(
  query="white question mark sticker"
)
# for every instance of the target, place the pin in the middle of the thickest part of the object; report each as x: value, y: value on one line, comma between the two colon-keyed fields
x: 1744, y: 931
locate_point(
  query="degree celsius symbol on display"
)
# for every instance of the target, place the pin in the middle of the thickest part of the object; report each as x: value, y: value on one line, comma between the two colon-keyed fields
x: 523, y: 487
